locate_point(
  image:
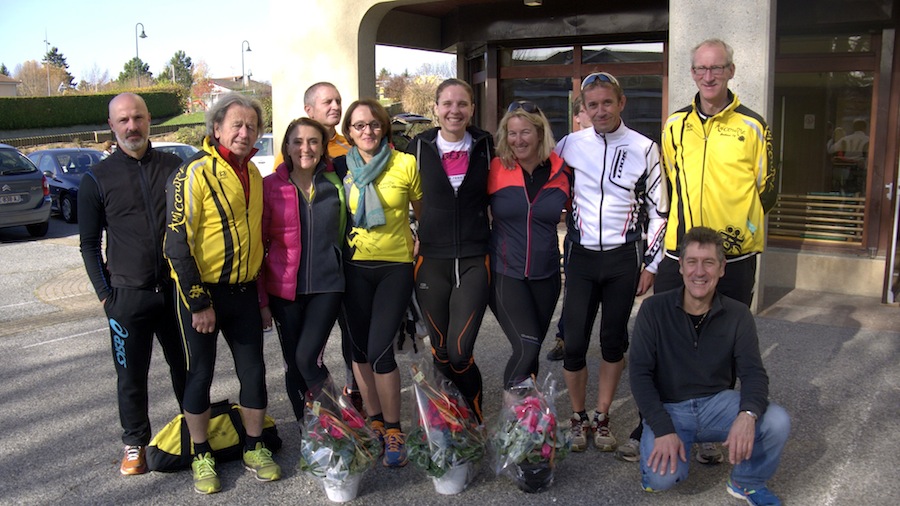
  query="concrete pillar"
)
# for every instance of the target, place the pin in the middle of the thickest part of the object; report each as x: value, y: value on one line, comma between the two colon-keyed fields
x: 749, y: 28
x: 322, y: 40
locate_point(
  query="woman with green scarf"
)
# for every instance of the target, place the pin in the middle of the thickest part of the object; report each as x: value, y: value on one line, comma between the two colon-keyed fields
x: 380, y: 185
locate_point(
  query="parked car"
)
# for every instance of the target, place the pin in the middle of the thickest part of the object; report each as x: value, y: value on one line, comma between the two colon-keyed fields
x: 405, y: 126
x: 64, y: 168
x: 183, y: 151
x: 24, y: 193
x: 265, y: 157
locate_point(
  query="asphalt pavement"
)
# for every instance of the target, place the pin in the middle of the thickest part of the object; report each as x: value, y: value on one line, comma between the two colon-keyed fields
x: 832, y: 362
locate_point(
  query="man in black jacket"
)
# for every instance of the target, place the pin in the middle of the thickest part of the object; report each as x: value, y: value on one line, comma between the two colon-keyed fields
x: 688, y: 344
x: 125, y: 195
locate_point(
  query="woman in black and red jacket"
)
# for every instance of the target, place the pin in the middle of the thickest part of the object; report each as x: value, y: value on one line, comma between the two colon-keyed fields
x: 452, y: 274
x: 529, y: 186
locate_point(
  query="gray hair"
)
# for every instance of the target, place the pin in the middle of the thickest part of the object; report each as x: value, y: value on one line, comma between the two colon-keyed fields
x: 729, y: 51
x: 216, y: 114
x: 309, y: 98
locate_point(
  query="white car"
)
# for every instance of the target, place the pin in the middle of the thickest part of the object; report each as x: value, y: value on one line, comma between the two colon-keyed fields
x: 265, y: 157
x: 183, y: 151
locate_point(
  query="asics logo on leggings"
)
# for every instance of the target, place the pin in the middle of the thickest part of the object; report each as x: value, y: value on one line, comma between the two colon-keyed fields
x: 119, y: 341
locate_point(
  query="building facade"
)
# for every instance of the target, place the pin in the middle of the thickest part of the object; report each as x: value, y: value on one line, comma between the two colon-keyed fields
x: 825, y: 75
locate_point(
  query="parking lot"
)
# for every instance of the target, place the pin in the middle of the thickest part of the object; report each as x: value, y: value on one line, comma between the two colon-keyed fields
x: 832, y: 363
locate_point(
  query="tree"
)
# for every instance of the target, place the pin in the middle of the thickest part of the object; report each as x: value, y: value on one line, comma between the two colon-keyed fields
x: 135, y: 69
x: 202, y: 85
x: 394, y: 87
x: 183, y: 70
x: 418, y: 95
x: 34, y: 79
x: 56, y: 59
x: 444, y: 70
x: 95, y: 79
x: 4, y: 70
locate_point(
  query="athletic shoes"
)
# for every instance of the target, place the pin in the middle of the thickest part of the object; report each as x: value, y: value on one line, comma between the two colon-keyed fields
x: 206, y: 481
x: 379, y: 430
x: 603, y: 438
x: 557, y: 352
x: 394, y: 449
x: 759, y: 497
x: 134, y: 461
x: 709, y: 454
x: 259, y: 461
x: 579, y: 430
x: 630, y: 451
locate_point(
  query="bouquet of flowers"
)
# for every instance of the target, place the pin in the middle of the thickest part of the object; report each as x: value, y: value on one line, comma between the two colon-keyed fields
x: 336, y: 446
x: 528, y: 440
x: 448, y: 438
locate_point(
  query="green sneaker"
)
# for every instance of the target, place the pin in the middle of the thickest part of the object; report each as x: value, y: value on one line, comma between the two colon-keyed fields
x: 206, y: 481
x: 260, y: 462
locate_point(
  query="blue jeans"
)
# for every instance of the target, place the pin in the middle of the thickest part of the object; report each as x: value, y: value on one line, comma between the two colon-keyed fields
x: 708, y: 420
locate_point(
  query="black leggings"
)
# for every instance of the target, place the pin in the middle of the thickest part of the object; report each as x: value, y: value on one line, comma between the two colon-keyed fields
x: 134, y: 317
x: 375, y: 300
x: 304, y: 325
x: 524, y: 308
x: 595, y: 277
x: 237, y: 316
x: 453, y: 295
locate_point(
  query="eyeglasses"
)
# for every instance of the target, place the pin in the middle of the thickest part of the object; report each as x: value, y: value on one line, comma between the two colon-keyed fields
x: 603, y: 77
x: 525, y: 105
x: 360, y: 127
x: 717, y: 70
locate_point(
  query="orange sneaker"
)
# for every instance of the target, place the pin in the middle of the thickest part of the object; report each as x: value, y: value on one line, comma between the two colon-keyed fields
x: 134, y: 461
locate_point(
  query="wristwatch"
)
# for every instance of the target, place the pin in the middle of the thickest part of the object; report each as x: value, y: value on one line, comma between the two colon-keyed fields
x: 752, y: 414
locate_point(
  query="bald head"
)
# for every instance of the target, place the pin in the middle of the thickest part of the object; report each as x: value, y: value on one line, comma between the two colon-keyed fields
x: 129, y: 120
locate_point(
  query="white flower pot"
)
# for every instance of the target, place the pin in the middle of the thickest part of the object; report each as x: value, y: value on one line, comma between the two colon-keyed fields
x: 453, y: 481
x: 342, y: 491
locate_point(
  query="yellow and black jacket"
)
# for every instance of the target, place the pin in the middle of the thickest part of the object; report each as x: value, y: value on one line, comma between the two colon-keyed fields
x: 721, y: 175
x: 213, y: 234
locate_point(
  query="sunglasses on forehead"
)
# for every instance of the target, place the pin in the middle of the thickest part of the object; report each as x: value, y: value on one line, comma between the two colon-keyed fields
x: 603, y: 77
x: 525, y: 105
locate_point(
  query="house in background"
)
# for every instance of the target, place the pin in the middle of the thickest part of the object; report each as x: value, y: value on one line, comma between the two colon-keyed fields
x: 222, y: 85
x: 8, y: 86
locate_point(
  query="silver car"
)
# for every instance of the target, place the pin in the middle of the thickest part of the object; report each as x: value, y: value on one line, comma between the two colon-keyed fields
x: 24, y: 193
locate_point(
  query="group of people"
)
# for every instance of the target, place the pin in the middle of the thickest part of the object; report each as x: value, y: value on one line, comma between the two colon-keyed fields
x: 326, y: 238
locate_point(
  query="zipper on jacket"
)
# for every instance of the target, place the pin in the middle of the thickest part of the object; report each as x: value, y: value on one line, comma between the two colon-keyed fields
x: 602, y: 191
x: 157, y: 247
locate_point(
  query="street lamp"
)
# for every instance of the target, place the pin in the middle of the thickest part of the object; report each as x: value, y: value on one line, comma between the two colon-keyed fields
x: 47, y: 61
x: 136, y: 56
x: 243, y: 74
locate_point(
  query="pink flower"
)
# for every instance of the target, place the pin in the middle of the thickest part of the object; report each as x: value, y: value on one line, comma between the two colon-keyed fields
x: 352, y: 419
x: 546, y: 451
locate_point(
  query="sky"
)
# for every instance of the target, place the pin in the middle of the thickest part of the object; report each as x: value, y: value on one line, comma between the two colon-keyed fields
x: 101, y: 33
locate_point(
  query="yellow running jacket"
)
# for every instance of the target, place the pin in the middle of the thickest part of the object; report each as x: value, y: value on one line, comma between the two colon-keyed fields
x: 213, y: 235
x: 721, y: 175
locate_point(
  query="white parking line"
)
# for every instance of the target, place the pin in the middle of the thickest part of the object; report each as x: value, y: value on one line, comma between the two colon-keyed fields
x: 64, y: 338
x: 42, y: 301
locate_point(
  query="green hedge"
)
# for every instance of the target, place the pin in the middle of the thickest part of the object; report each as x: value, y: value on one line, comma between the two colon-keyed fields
x: 20, y: 113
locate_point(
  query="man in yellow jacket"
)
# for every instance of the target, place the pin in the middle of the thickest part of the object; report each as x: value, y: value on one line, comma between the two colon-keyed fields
x: 717, y: 156
x: 214, y: 245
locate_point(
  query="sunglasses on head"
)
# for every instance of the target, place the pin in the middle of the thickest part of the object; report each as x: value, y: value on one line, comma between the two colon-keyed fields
x: 525, y: 105
x: 603, y: 77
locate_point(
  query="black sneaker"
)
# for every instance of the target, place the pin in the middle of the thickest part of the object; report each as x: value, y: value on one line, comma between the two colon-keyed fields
x: 558, y: 351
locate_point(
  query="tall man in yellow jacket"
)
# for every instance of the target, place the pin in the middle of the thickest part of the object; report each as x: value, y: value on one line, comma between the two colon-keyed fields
x: 717, y: 156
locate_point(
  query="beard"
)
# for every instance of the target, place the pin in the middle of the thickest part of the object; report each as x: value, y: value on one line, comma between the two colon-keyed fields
x: 132, y: 145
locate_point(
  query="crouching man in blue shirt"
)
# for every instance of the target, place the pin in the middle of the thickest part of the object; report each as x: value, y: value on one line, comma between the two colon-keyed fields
x: 687, y: 345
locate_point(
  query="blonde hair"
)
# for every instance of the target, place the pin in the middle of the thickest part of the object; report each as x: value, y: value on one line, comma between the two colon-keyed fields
x: 539, y: 121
